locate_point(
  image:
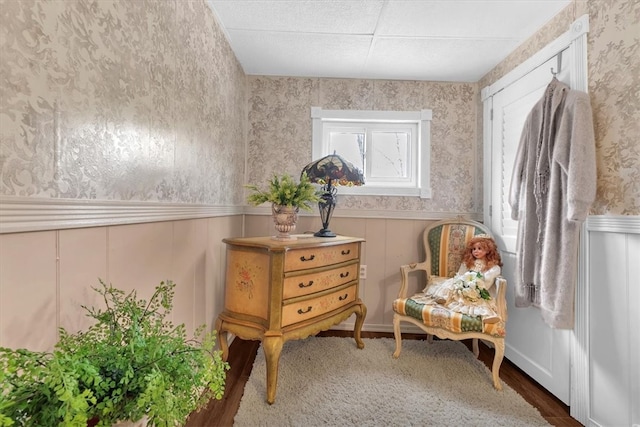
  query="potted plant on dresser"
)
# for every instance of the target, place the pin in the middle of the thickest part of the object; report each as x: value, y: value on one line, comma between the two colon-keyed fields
x: 287, y: 197
x: 132, y: 364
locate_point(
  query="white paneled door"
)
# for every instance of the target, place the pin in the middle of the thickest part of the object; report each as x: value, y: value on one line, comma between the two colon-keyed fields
x: 540, y: 351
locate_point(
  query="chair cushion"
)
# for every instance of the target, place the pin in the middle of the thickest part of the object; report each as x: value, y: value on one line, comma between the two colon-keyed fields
x: 441, y: 317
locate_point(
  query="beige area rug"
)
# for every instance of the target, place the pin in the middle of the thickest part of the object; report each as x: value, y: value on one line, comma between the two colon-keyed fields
x: 328, y: 381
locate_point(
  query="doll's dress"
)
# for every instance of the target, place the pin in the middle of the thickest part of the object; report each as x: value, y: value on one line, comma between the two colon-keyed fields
x: 448, y: 294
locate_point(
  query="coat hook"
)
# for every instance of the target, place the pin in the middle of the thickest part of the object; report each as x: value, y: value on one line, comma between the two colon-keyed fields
x: 553, y: 72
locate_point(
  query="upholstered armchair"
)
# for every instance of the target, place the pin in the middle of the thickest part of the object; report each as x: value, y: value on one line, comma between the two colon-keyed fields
x: 445, y: 242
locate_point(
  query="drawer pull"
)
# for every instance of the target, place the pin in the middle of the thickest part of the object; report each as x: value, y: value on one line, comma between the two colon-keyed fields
x: 302, y: 258
x: 302, y: 285
x: 343, y: 275
x: 342, y: 298
x: 301, y: 311
x: 347, y: 252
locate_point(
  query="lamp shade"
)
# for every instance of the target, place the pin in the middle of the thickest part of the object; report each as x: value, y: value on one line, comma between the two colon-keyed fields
x: 331, y: 171
x: 334, y: 170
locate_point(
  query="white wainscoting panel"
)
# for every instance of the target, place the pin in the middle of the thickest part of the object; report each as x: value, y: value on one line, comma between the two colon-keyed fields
x: 613, y: 312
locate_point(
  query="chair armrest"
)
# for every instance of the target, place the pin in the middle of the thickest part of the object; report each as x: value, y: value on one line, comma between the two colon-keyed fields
x: 501, y: 297
x: 404, y: 273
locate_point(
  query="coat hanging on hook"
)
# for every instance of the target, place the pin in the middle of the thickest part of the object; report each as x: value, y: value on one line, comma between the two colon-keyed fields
x: 552, y: 189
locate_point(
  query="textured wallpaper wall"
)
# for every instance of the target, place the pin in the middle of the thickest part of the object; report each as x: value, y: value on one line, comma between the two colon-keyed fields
x: 144, y: 100
x: 614, y: 85
x: 280, y: 133
x: 613, y: 55
x: 119, y: 100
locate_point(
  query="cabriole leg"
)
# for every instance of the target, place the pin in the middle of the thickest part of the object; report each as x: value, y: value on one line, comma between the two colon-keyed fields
x: 397, y: 335
x: 272, y: 346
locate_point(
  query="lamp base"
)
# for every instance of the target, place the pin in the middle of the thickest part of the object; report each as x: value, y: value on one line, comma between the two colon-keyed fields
x: 324, y: 233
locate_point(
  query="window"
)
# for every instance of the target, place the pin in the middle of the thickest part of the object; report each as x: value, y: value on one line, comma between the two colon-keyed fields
x: 392, y: 148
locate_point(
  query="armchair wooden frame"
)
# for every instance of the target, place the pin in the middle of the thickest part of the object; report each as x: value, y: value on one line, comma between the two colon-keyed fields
x: 494, y: 334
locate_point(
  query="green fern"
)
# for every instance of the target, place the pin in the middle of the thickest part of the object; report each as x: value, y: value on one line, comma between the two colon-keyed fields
x: 129, y: 364
x: 284, y: 190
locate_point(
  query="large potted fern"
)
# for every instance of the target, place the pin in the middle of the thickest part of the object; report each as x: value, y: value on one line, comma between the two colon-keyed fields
x: 131, y: 364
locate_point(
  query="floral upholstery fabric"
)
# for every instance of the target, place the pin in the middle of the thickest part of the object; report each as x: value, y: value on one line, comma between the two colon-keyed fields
x: 447, y: 244
x: 440, y: 317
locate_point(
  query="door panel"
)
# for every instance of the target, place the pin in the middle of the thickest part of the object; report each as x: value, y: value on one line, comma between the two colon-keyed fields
x: 510, y: 109
x: 543, y: 353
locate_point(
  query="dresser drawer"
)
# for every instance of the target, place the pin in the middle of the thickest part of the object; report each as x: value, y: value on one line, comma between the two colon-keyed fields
x: 301, y: 259
x: 313, y: 307
x: 315, y: 282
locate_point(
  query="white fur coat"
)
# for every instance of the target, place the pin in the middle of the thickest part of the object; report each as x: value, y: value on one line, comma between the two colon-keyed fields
x: 552, y: 188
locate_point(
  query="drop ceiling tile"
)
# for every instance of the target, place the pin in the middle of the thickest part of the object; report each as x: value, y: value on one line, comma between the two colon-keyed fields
x: 443, y: 60
x: 301, y: 54
x: 515, y: 19
x: 325, y: 16
x: 310, y: 37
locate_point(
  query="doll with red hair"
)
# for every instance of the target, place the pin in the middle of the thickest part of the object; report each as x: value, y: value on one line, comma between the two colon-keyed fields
x: 468, y: 292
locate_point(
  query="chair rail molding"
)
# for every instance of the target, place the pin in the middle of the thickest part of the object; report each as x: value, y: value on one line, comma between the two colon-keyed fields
x: 378, y: 214
x: 23, y: 214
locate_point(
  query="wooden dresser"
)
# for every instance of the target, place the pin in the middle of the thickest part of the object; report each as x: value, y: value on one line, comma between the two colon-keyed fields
x: 278, y: 291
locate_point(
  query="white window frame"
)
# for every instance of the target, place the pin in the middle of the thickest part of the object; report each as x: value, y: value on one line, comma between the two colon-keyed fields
x: 420, y: 157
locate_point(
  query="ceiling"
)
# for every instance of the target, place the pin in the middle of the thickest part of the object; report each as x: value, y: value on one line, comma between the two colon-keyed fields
x: 434, y: 40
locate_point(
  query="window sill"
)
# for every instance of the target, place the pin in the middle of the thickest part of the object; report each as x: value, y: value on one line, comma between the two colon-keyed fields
x: 385, y: 191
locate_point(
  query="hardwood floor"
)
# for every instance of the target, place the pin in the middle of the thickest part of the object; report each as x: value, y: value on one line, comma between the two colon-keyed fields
x: 242, y: 355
